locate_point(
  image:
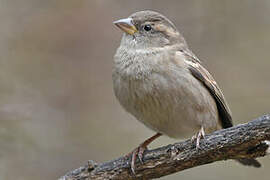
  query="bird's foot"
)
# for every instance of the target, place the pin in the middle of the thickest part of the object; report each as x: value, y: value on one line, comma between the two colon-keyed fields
x: 139, y: 151
x: 197, y: 137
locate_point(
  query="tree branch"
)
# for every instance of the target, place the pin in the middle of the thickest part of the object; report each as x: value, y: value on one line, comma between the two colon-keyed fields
x: 242, y: 141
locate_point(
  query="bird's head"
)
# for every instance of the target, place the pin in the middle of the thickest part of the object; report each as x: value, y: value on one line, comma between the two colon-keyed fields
x: 149, y: 29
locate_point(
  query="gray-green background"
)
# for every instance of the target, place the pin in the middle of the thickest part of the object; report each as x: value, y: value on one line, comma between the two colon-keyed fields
x: 57, y: 107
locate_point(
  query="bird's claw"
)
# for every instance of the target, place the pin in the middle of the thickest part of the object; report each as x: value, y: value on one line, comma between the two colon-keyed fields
x: 137, y: 152
x: 140, y: 153
x: 198, y: 136
x: 140, y: 150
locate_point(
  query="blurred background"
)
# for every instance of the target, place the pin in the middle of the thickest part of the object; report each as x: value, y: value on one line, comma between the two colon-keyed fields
x: 57, y: 105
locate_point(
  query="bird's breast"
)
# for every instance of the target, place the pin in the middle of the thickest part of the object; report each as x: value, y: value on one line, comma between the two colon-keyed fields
x: 167, y: 99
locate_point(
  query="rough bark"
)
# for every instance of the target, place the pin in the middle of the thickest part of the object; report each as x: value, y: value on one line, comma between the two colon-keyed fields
x: 242, y: 141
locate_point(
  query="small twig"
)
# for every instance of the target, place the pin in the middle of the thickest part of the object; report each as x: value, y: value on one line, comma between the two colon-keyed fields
x: 250, y: 140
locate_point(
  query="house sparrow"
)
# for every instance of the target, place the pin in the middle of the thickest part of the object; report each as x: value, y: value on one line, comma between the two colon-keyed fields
x: 158, y: 79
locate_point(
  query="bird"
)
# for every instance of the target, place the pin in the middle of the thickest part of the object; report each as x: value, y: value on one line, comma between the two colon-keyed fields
x: 160, y: 81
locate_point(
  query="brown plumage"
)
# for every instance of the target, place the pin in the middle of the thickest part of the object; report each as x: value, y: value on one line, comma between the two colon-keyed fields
x: 164, y: 85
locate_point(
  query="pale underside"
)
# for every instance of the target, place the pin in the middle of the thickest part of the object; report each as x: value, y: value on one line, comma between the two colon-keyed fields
x: 168, y: 98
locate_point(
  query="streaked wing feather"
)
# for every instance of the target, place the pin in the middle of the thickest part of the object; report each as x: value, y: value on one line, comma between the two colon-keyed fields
x: 200, y: 73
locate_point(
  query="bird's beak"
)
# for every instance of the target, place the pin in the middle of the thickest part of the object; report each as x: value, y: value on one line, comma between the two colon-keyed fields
x: 126, y: 25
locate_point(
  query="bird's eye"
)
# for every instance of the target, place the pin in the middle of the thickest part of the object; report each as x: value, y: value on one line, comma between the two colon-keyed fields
x: 147, y: 27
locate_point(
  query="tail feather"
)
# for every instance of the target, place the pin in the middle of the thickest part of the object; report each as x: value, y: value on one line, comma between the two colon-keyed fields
x: 249, y: 162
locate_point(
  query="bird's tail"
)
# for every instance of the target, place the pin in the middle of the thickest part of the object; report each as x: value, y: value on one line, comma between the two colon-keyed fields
x: 249, y: 162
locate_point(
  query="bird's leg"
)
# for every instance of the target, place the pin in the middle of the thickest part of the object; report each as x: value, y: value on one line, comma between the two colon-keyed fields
x: 140, y: 150
x: 198, y: 136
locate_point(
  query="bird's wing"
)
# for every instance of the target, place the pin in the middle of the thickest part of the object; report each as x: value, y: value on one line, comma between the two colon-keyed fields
x: 200, y: 73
